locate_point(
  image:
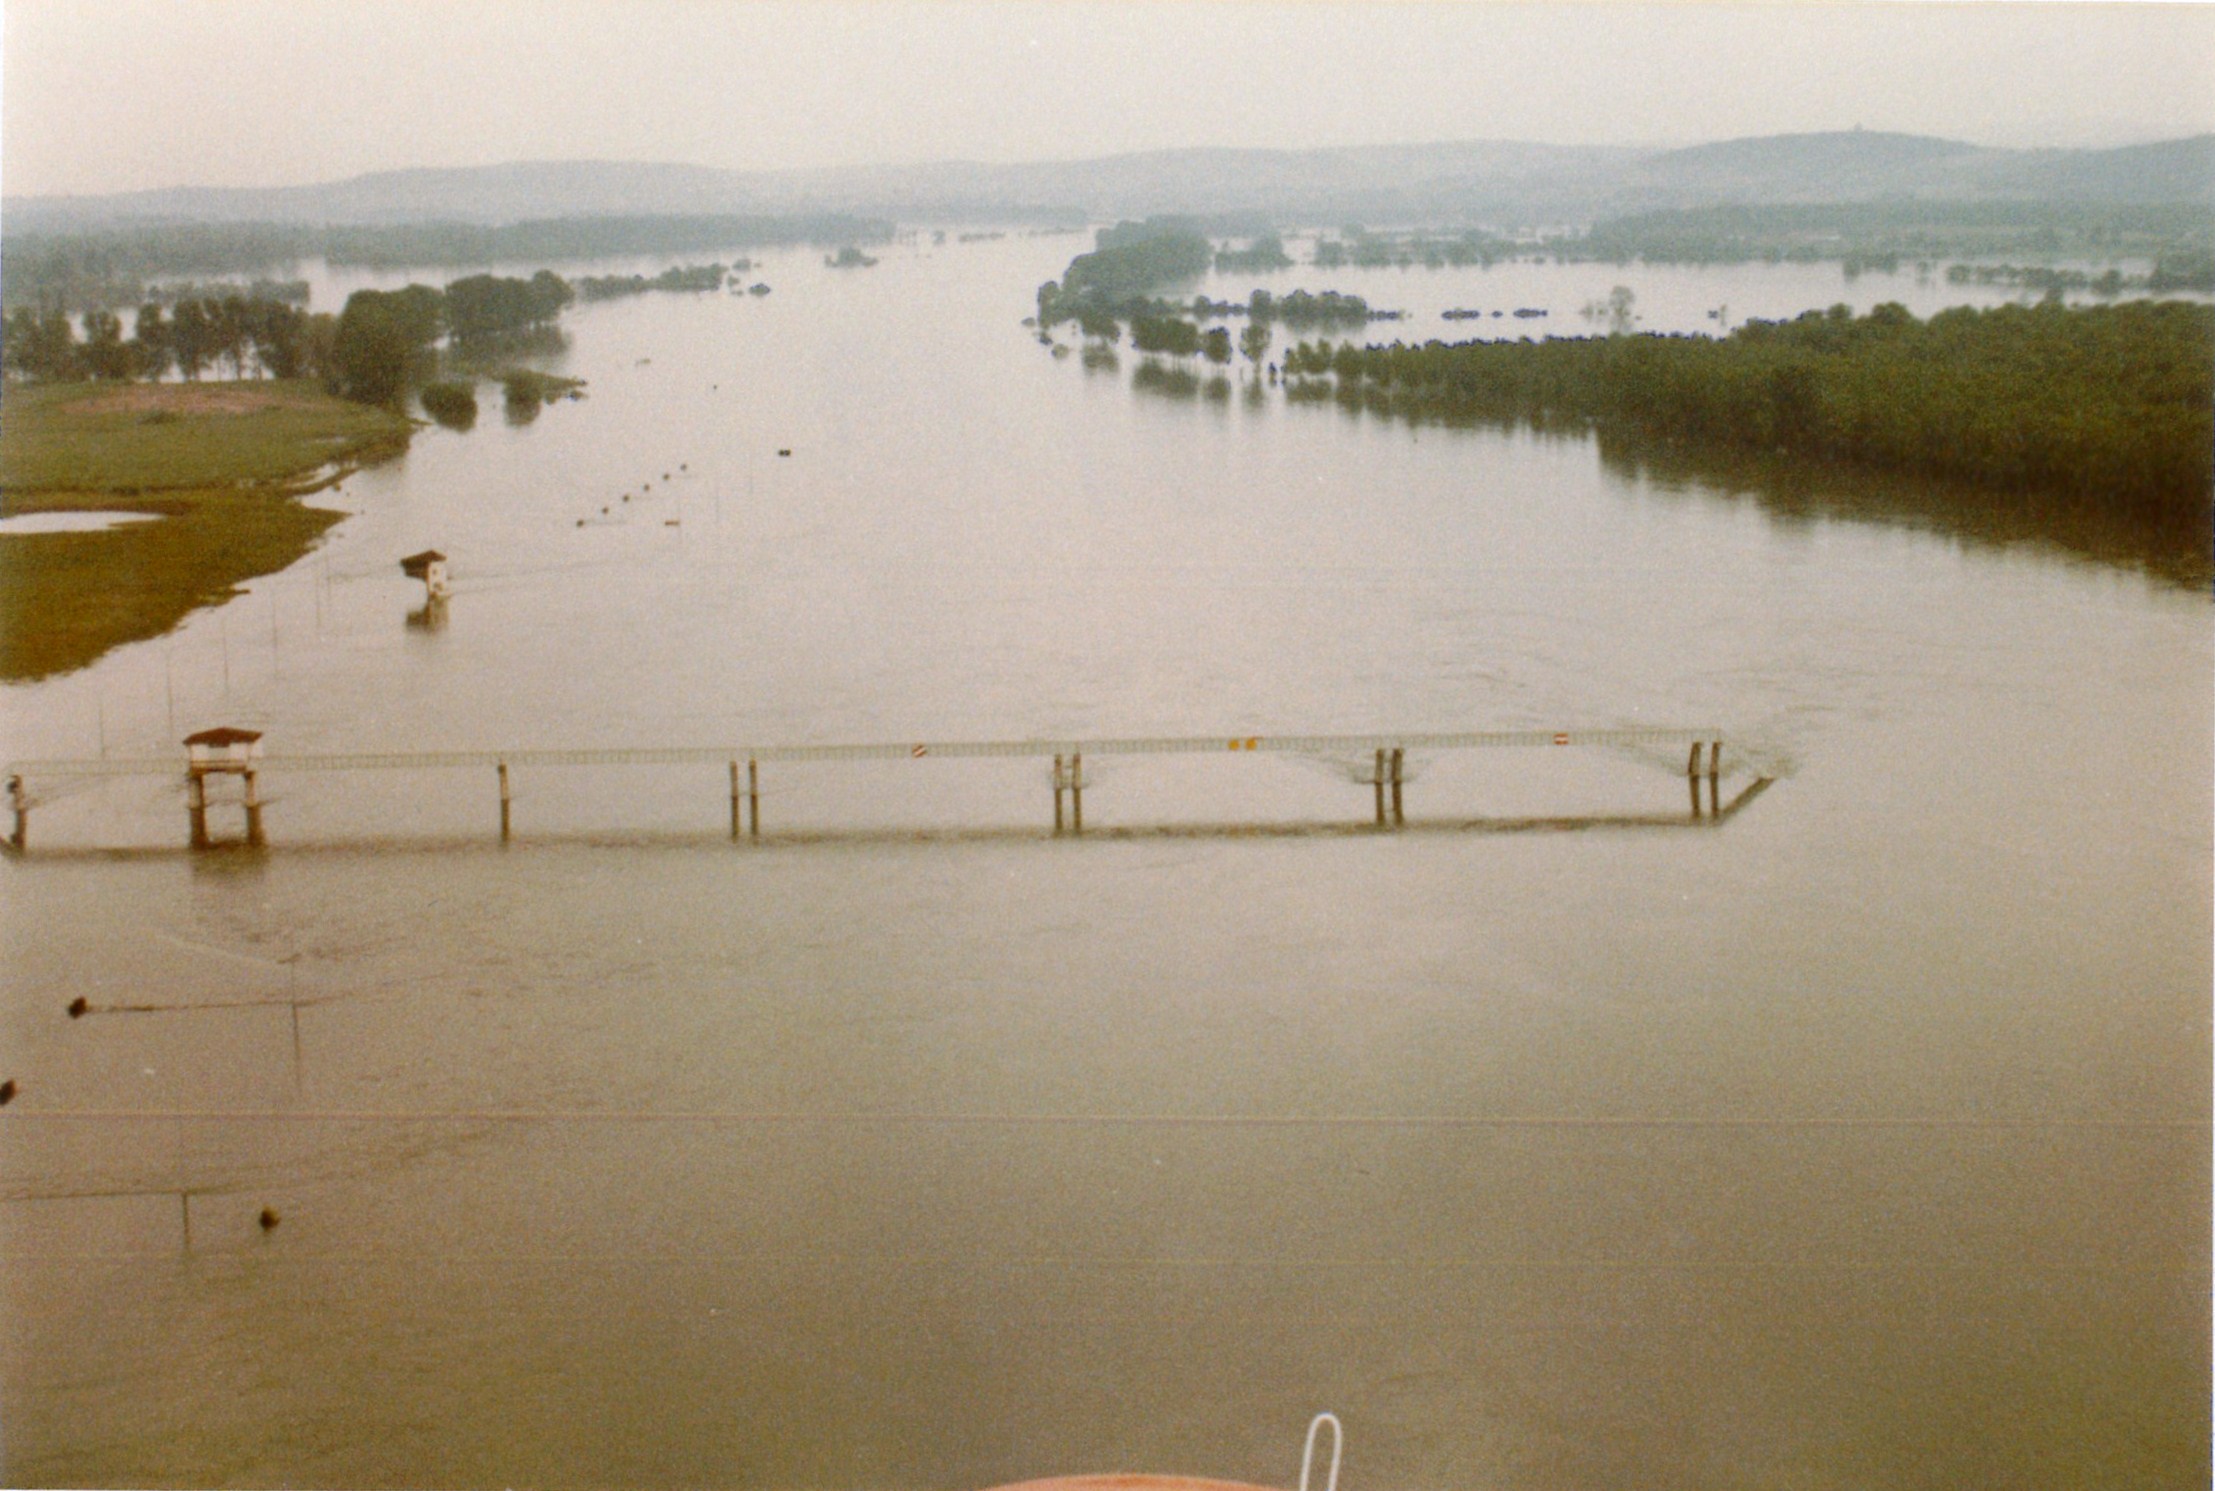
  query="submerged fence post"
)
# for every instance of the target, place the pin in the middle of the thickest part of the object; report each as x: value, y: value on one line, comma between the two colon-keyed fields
x: 1377, y: 777
x: 1076, y: 793
x: 21, y: 805
x: 1398, y: 817
x: 735, y: 809
x: 254, y: 839
x: 753, y: 794
x: 503, y: 802
x: 196, y: 808
x: 1057, y: 793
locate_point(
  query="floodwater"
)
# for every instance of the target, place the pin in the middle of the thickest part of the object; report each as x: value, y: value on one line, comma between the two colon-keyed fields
x: 71, y: 522
x: 1559, y: 1140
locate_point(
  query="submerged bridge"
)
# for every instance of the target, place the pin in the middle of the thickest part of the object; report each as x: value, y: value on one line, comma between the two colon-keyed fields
x: 228, y: 752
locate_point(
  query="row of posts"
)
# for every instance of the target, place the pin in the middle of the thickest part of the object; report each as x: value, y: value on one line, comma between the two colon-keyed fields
x: 1388, y: 778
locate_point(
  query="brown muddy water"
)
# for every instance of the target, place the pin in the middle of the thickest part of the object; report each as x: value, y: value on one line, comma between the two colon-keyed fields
x: 1558, y: 1141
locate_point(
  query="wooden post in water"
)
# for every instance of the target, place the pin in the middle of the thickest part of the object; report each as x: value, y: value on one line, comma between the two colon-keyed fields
x: 753, y: 794
x: 1377, y: 777
x: 504, y: 797
x: 21, y: 805
x: 1076, y: 793
x: 254, y: 839
x: 1398, y: 817
x: 736, y: 811
x: 196, y: 808
x: 1057, y: 794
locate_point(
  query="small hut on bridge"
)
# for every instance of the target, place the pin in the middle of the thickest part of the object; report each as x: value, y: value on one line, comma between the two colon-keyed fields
x: 429, y: 567
x: 225, y: 750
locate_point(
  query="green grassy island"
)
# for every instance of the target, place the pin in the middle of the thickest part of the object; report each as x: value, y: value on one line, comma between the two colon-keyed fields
x: 2105, y: 407
x: 222, y: 467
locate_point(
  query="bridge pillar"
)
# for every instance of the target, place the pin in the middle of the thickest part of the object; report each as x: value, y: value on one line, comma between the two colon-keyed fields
x: 254, y: 839
x: 196, y: 808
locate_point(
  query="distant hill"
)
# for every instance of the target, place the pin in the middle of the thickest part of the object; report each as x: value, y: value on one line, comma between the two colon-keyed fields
x: 1869, y: 165
x: 1498, y: 182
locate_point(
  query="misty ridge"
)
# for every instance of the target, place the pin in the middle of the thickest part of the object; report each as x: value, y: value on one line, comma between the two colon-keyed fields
x: 1507, y: 184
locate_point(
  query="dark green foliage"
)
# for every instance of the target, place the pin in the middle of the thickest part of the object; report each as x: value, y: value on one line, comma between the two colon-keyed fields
x: 1327, y: 309
x: 1170, y: 334
x: 849, y: 257
x: 527, y: 388
x: 249, y: 335
x: 2114, y: 404
x: 379, y: 335
x: 1407, y: 250
x: 1111, y: 278
x: 485, y: 305
x: 690, y: 277
x: 452, y: 402
x: 1215, y: 343
x: 1263, y: 254
x: 43, y: 346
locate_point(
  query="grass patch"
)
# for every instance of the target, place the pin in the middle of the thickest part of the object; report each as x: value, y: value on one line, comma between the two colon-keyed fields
x: 136, y: 437
x: 224, y: 464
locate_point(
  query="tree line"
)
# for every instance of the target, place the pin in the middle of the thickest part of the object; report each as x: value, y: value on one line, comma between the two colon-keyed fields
x: 683, y: 278
x: 246, y: 336
x: 2112, y: 404
x: 112, y: 269
x: 369, y: 352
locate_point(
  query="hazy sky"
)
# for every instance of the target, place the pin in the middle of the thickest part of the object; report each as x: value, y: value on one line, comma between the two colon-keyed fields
x: 113, y: 95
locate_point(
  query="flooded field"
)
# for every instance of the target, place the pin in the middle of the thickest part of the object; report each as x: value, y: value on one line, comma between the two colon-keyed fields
x: 1559, y: 1140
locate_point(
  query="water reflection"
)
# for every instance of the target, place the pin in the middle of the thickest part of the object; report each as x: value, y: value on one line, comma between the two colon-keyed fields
x: 1165, y: 381
x: 1794, y: 491
x: 1800, y: 492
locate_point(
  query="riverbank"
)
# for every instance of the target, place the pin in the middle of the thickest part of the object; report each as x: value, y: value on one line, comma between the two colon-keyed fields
x: 223, y: 466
